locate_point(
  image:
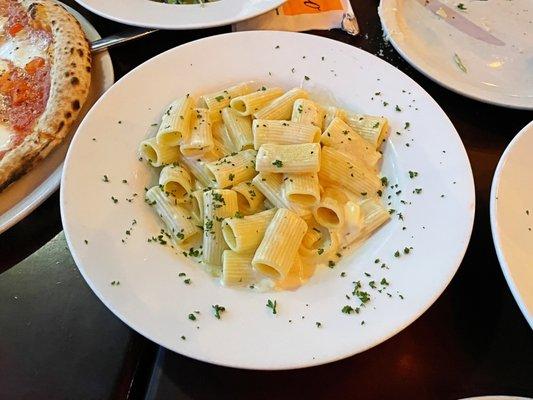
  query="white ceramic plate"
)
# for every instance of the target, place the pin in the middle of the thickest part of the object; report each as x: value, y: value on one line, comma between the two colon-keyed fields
x: 501, y: 75
x: 511, y: 218
x: 27, y: 193
x: 151, y: 297
x: 147, y: 13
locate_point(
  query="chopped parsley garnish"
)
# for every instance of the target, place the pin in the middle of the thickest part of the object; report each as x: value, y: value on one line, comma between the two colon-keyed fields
x: 86, y: 241
x: 183, y: 337
x: 331, y: 264
x: 347, y: 309
x: 306, y: 78
x: 318, y: 324
x: 384, y: 282
x: 343, y: 274
x: 413, y: 174
x: 187, y: 281
x: 320, y: 251
x: 384, y: 181
x: 397, y: 254
x: 459, y: 63
x: 397, y: 108
x: 192, y: 317
x: 115, y: 283
x: 375, y: 125
x: 231, y: 177
x: 407, y: 125
x: 278, y: 163
x: 218, y: 310
x: 417, y: 191
x: 406, y: 250
x: 219, y: 98
x: 115, y: 200
x: 105, y: 178
x: 239, y: 215
x: 272, y: 305
x: 461, y: 6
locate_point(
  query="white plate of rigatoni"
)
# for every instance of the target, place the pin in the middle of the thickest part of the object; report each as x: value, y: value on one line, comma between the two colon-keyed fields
x: 291, y: 208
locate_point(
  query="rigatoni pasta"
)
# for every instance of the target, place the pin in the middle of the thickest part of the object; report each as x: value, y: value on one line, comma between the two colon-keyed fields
x: 283, y: 132
x: 265, y: 184
x: 288, y: 158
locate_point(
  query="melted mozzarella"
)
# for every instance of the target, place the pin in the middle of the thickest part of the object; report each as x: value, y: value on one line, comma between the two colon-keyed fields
x: 21, y: 49
x: 5, y: 137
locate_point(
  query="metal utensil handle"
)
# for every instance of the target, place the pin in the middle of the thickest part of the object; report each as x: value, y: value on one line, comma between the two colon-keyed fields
x: 113, y: 40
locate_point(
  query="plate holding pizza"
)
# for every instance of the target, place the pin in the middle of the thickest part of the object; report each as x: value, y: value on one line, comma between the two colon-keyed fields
x: 45, y: 75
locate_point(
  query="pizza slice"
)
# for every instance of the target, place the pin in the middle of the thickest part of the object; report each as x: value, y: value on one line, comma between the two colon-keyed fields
x: 45, y: 74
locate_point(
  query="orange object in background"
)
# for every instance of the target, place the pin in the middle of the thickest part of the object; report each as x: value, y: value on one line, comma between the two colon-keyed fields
x: 296, y: 7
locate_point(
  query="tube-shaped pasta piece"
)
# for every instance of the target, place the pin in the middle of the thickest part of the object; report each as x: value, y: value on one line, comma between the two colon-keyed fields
x: 332, y: 113
x: 330, y: 210
x: 288, y: 158
x: 342, y: 137
x: 197, y: 209
x: 339, y: 169
x: 319, y: 243
x: 217, y: 152
x: 374, y: 215
x: 216, y: 101
x: 176, y: 180
x: 293, y: 279
x: 233, y: 169
x: 283, y: 132
x: 302, y: 189
x: 175, y: 123
x: 239, y: 128
x: 245, y: 234
x: 199, y: 169
x: 281, y: 108
x: 372, y: 128
x: 218, y: 204
x: 177, y: 219
x: 252, y: 102
x: 158, y: 154
x: 200, y: 140
x: 271, y: 185
x: 279, y: 247
x: 250, y: 198
x: 220, y: 134
x: 236, y: 268
x: 308, y: 112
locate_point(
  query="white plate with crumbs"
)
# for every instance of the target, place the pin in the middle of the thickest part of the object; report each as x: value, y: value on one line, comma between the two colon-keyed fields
x: 480, y: 49
x: 163, y: 15
x: 27, y: 193
x: 511, y: 218
x: 403, y: 268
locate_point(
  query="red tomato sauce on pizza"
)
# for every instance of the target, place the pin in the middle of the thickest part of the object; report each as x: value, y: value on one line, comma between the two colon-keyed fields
x: 24, y: 89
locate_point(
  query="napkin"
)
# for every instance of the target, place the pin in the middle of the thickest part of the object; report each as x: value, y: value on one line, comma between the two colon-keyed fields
x: 304, y: 15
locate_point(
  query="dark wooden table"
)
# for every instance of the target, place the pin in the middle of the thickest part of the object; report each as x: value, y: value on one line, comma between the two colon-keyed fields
x: 57, y: 341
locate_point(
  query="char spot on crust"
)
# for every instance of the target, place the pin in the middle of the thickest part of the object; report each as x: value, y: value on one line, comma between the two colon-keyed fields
x: 76, y: 105
x: 67, y: 74
x: 71, y: 50
x: 68, y: 114
x: 80, y: 52
x: 88, y: 69
x: 74, y: 81
x: 73, y: 64
x: 60, y: 126
x: 53, y: 22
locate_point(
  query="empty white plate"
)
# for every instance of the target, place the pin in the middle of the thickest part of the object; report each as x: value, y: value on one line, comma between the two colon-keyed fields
x: 27, y: 193
x: 156, y: 302
x: 511, y: 218
x: 151, y: 14
x: 496, y: 74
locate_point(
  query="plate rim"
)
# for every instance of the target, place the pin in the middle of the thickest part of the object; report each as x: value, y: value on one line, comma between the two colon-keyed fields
x: 447, y: 85
x: 154, y: 25
x: 55, y: 176
x: 305, y: 363
x: 494, y: 225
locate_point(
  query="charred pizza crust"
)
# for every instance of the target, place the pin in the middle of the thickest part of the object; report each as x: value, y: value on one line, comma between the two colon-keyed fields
x: 70, y: 78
